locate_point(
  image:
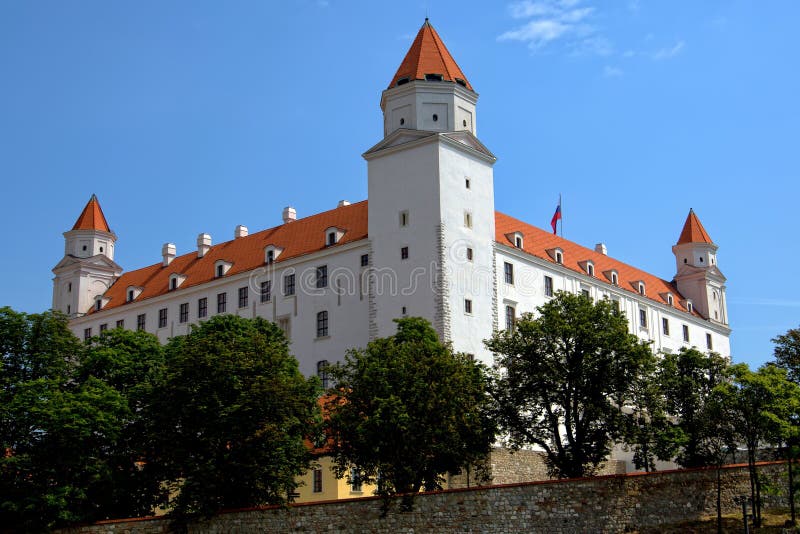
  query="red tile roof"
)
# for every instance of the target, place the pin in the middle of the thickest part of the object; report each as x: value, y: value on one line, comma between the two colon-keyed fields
x: 693, y: 231
x: 307, y: 235
x: 296, y: 238
x: 537, y: 242
x: 429, y: 55
x: 92, y: 217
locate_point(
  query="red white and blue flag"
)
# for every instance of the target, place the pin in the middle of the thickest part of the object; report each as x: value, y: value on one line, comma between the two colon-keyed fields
x: 556, y: 216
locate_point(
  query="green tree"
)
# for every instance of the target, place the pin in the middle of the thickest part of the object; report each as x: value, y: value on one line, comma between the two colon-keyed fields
x: 54, y: 429
x: 763, y: 402
x: 787, y: 353
x: 132, y: 363
x: 564, y: 378
x: 687, y: 379
x: 407, y: 409
x: 233, y: 414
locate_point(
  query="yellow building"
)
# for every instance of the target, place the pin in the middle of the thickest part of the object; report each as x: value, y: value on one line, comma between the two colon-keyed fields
x: 321, y: 484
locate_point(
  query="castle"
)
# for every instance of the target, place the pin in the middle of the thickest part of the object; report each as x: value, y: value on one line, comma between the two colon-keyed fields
x: 427, y: 242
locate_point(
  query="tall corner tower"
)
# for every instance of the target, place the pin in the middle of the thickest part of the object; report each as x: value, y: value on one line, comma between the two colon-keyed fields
x: 87, y: 269
x: 431, y: 203
x: 698, y: 276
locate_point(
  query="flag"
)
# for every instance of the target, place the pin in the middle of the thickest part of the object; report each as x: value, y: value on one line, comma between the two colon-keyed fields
x: 556, y: 216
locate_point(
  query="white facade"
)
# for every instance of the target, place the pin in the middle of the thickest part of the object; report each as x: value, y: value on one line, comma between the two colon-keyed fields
x: 430, y: 248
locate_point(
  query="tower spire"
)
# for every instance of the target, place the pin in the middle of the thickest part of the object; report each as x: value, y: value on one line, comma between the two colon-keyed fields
x: 92, y: 218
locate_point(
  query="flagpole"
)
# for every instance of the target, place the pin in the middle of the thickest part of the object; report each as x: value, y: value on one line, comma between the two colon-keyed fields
x: 562, y: 214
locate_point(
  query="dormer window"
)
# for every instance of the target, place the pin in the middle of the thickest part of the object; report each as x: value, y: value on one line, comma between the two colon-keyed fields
x: 402, y: 81
x: 271, y: 253
x: 689, y: 306
x: 333, y: 235
x: 133, y: 292
x: 670, y: 299
x: 221, y: 268
x: 557, y: 254
x: 175, y: 281
x: 588, y: 266
x: 434, y: 78
x: 98, y: 304
x: 640, y: 288
x: 517, y: 239
x: 462, y: 83
x: 612, y: 276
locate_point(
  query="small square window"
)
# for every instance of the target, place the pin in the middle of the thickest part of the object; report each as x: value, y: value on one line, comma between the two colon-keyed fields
x: 121, y: 323
x: 467, y: 306
x: 404, y: 253
x: 103, y: 327
x: 585, y: 293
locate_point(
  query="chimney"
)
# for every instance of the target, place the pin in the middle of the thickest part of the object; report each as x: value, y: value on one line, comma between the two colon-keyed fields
x: 601, y: 248
x: 167, y: 253
x: 203, y: 245
x: 241, y: 231
x: 289, y: 214
x: 343, y: 203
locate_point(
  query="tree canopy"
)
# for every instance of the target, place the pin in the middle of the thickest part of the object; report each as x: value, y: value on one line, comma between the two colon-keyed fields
x: 787, y: 353
x: 407, y: 409
x: 564, y: 377
x: 233, y: 414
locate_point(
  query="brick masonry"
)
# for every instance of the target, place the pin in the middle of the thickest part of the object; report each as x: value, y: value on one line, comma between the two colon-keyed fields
x: 611, y: 503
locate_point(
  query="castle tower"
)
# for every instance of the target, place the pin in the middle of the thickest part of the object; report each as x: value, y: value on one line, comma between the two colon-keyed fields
x: 431, y: 203
x: 87, y: 268
x: 698, y: 277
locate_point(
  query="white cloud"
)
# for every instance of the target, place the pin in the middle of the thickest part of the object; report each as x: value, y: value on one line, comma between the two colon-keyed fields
x: 612, y: 72
x: 669, y: 52
x: 554, y: 20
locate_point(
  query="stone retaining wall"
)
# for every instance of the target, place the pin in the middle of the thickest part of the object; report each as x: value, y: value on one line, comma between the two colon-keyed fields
x: 613, y: 503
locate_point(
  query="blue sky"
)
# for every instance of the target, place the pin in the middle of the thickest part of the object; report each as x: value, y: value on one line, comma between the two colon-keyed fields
x: 195, y: 116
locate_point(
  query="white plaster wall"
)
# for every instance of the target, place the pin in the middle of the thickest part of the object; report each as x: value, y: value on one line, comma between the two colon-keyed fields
x: 418, y: 100
x: 468, y: 279
x: 347, y: 311
x: 403, y: 179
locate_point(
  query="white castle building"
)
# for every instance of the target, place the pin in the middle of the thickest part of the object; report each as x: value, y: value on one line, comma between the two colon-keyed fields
x: 427, y: 243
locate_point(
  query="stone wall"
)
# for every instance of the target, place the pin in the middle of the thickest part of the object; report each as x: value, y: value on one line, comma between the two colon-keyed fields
x: 613, y: 503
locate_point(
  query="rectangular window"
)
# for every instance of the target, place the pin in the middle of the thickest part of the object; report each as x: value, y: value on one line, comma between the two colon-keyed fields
x: 141, y: 320
x: 364, y: 260
x: 665, y: 326
x: 322, y: 373
x: 183, y: 315
x: 121, y: 323
x: 266, y: 291
x: 222, y: 302
x: 202, y: 308
x: 404, y: 218
x: 467, y: 306
x: 322, y: 324
x: 103, y: 327
x: 322, y: 276
x: 467, y: 219
x: 643, y: 318
x: 317, y: 480
x: 244, y: 296
x: 511, y: 317
x: 285, y: 326
x: 469, y: 254
x: 355, y: 480
x: 508, y: 269
x: 331, y: 238
x: 548, y: 286
x: 288, y: 285
x: 686, y: 333
x: 162, y: 317
x: 709, y: 344
x: 87, y: 334
x: 404, y: 253
x: 585, y: 293
x: 466, y: 182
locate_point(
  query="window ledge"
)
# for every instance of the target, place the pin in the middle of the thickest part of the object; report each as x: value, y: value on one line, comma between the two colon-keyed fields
x: 322, y: 338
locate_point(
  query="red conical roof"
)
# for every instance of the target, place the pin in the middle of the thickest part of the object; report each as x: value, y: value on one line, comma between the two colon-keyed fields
x: 92, y: 217
x: 428, y: 55
x: 693, y: 231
